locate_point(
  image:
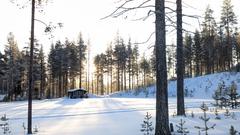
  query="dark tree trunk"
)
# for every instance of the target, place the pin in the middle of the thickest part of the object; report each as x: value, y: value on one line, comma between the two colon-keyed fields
x: 31, y: 71
x: 42, y: 80
x: 180, y: 62
x: 162, y: 118
x: 125, y: 78
x: 129, y: 76
x: 118, y: 77
x: 80, y: 75
x: 111, y: 78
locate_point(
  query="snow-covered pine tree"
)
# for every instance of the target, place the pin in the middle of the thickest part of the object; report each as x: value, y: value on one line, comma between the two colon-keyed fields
x: 181, y: 129
x: 147, y: 126
x: 205, y: 119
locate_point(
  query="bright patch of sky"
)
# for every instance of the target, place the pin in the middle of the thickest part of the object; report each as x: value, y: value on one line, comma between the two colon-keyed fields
x: 84, y: 16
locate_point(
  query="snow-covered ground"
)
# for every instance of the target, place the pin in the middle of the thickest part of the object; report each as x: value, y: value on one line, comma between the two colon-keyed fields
x: 201, y: 87
x: 119, y: 115
x: 105, y: 116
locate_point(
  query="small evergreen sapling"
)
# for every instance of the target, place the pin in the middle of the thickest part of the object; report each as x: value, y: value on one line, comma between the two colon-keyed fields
x: 232, y: 131
x: 24, y: 128
x: 5, y: 125
x: 192, y: 114
x: 36, y: 129
x: 181, y: 128
x: 147, y: 126
x: 216, y: 114
x: 205, y: 119
x: 227, y: 113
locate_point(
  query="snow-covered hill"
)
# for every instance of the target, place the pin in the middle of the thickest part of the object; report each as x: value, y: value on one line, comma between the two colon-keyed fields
x: 198, y: 87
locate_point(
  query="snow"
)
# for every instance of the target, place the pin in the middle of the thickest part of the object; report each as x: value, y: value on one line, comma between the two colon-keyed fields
x: 202, y: 86
x: 118, y: 115
x: 2, y: 97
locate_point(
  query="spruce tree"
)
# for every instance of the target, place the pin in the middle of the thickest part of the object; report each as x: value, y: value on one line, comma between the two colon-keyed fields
x: 147, y: 126
x: 205, y: 119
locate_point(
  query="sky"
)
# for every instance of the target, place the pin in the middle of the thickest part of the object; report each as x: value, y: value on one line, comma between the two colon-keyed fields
x: 85, y: 16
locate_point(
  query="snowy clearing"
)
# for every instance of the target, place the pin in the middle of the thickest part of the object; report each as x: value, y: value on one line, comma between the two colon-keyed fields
x: 105, y: 116
x: 122, y: 113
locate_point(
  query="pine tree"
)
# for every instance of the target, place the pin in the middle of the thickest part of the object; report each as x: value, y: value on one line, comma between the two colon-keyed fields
x: 129, y: 62
x: 43, y: 75
x: 228, y: 20
x: 205, y: 119
x: 181, y: 129
x: 147, y: 126
x: 162, y: 118
x: 110, y: 64
x: 188, y: 55
x: 135, y: 67
x: 180, y: 61
x: 5, y: 126
x: 197, y: 53
x: 233, y: 94
x: 12, y: 72
x: 82, y: 56
x: 145, y: 67
x: 208, y: 37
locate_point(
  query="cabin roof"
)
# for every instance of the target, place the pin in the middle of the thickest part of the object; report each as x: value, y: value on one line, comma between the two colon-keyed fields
x: 80, y: 89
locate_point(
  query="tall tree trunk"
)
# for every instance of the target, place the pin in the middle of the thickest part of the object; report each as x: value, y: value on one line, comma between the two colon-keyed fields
x: 80, y: 76
x: 129, y: 74
x: 180, y: 61
x: 118, y: 77
x: 162, y: 118
x: 31, y: 71
x: 111, y: 79
x: 41, y: 81
x: 125, y: 79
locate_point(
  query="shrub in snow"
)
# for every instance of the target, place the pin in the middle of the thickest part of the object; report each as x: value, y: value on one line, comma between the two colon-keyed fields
x: 232, y: 131
x: 174, y: 114
x: 217, y: 117
x: 181, y: 129
x: 186, y: 93
x: 24, y: 128
x: 5, y: 125
x: 35, y: 129
x: 147, y: 126
x: 192, y: 114
x: 227, y: 113
x: 205, y: 119
x: 233, y: 116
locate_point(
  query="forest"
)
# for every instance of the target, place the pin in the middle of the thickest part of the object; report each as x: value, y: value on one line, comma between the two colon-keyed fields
x: 214, y: 48
x: 34, y: 75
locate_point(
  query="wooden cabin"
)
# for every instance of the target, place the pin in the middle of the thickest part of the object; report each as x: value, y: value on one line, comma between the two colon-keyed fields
x: 77, y: 93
